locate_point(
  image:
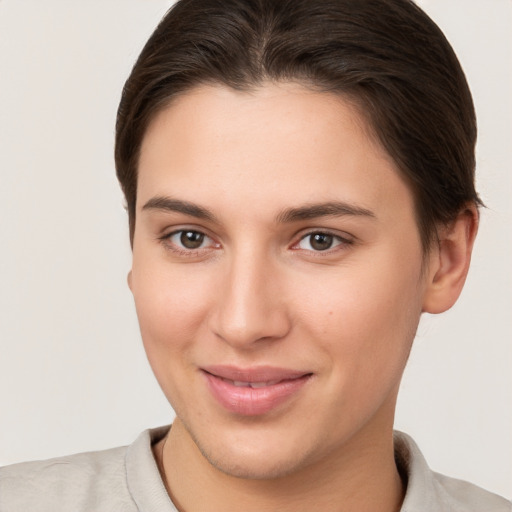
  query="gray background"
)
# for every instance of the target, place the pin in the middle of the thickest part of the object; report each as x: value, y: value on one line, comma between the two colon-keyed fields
x: 73, y: 374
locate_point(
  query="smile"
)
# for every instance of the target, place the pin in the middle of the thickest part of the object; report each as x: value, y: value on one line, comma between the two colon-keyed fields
x: 252, y: 392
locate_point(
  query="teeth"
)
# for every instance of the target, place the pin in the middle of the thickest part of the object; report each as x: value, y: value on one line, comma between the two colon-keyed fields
x: 259, y: 384
x: 242, y: 384
x: 263, y: 384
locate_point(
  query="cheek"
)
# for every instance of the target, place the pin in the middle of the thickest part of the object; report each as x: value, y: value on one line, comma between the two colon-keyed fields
x: 171, y: 305
x: 365, y: 321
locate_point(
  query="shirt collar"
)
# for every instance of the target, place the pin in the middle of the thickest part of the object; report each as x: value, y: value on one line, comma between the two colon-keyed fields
x: 422, y: 493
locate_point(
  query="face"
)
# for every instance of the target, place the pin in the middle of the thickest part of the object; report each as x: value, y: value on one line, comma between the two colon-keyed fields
x: 277, y: 275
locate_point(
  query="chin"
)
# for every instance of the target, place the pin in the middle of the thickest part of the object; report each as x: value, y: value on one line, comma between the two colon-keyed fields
x: 262, y: 467
x: 252, y: 458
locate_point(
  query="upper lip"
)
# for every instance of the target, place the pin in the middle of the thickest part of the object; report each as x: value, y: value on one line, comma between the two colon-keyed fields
x: 254, y: 374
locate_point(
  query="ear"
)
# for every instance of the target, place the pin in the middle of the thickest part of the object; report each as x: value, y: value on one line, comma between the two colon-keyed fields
x: 129, y: 280
x: 449, y: 262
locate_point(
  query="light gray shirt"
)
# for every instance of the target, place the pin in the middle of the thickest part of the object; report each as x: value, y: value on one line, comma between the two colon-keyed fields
x: 127, y: 480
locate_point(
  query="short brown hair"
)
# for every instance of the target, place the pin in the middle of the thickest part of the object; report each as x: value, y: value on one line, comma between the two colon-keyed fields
x: 387, y: 55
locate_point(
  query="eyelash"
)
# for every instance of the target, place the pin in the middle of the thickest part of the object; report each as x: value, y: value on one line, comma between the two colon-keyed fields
x: 166, y: 241
x: 342, y: 243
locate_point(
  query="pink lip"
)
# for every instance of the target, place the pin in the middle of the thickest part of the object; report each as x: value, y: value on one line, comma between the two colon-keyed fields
x: 249, y: 401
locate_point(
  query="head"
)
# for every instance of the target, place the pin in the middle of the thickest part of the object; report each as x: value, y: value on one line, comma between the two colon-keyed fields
x: 385, y: 56
x: 288, y: 166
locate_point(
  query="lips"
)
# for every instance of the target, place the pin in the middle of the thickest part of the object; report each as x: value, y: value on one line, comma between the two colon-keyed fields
x: 253, y: 391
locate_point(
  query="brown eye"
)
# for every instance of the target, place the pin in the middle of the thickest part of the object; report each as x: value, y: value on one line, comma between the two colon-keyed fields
x: 188, y: 243
x: 191, y: 239
x: 321, y: 241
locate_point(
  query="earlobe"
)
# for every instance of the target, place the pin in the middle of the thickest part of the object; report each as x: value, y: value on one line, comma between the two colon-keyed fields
x: 449, y: 264
x: 129, y: 280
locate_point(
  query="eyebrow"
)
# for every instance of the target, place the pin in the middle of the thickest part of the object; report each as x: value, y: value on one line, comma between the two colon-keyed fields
x: 176, y: 205
x: 289, y: 215
x: 329, y: 209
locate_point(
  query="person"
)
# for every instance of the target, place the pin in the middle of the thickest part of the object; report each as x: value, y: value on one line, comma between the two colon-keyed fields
x: 299, y: 178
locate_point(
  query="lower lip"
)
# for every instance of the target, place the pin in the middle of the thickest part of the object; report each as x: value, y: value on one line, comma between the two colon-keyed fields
x: 249, y: 401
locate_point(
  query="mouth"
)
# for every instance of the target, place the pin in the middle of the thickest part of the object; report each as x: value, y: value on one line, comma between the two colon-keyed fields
x: 254, y: 385
x: 253, y: 391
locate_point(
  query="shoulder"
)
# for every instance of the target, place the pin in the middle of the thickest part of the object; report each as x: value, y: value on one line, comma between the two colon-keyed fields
x: 428, y: 491
x: 87, y: 481
x: 464, y: 497
x: 122, y: 479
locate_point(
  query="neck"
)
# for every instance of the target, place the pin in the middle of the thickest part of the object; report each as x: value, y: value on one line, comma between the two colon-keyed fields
x: 362, y: 477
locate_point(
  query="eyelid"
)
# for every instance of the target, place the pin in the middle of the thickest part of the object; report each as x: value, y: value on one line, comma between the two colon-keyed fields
x: 345, y: 240
x: 165, y: 240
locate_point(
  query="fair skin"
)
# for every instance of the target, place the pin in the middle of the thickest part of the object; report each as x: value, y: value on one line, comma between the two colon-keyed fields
x: 276, y: 243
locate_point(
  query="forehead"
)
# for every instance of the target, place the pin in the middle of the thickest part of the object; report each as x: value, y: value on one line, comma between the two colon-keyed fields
x: 276, y: 142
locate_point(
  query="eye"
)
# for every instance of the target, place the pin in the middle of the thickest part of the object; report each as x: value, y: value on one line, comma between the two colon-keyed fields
x: 188, y: 240
x: 320, y: 241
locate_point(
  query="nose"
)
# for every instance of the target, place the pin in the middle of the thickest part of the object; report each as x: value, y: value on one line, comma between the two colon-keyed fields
x: 249, y: 307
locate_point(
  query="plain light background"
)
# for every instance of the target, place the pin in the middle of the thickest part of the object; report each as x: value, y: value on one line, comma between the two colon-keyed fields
x: 73, y: 374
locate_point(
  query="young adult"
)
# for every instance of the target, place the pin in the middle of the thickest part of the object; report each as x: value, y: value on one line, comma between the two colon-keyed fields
x: 299, y: 176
